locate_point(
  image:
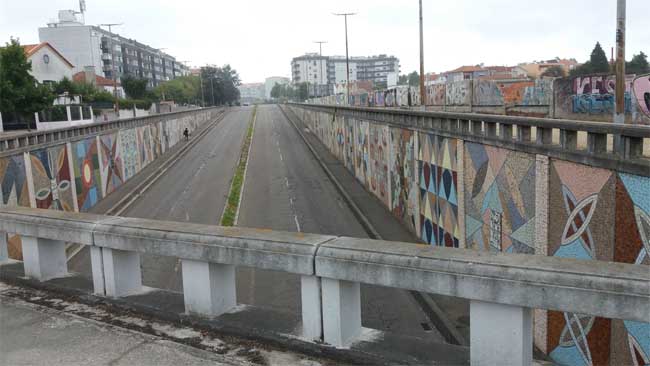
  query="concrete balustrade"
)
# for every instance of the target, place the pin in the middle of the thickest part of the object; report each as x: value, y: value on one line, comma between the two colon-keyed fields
x: 533, y: 135
x: 503, y: 288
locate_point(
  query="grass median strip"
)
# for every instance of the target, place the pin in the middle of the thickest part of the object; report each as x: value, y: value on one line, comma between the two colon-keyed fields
x: 230, y: 212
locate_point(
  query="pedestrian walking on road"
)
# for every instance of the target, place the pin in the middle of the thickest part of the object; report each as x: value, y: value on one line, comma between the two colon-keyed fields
x: 186, y: 133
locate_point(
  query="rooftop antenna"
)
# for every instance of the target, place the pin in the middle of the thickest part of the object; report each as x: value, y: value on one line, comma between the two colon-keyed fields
x: 82, y: 10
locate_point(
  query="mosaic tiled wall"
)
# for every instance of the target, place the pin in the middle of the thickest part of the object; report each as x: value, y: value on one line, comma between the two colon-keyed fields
x: 515, y: 202
x: 74, y: 176
x: 499, y: 199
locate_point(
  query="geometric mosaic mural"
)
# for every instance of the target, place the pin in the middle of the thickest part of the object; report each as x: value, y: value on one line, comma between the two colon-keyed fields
x: 378, y: 137
x: 85, y: 160
x: 14, y: 183
x: 52, y: 180
x: 499, y: 199
x: 362, y: 158
x: 582, y: 201
x: 112, y: 172
x: 129, y: 152
x: 438, y: 182
x: 403, y: 179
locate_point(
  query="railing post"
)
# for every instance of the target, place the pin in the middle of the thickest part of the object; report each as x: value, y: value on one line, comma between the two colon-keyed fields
x: 341, y: 311
x: 121, y: 271
x: 500, y: 334
x: 208, y: 288
x: 4, y: 251
x: 44, y: 259
x: 312, y: 319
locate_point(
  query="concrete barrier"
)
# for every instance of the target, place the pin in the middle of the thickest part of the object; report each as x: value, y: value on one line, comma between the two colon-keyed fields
x: 503, y: 288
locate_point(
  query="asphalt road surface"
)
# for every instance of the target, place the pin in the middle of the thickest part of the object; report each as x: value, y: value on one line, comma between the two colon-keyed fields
x: 285, y: 189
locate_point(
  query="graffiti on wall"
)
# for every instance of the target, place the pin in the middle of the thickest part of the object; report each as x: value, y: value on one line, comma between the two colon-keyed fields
x: 438, y: 182
x: 458, y: 94
x: 499, y: 183
x: 641, y: 88
x: 378, y: 137
x: 112, y: 172
x: 14, y: 181
x: 436, y: 94
x: 361, y: 154
x: 403, y: 180
x: 51, y: 177
x: 85, y: 161
x: 487, y: 93
x: 349, y: 155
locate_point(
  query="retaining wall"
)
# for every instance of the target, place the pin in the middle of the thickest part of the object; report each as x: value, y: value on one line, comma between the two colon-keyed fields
x: 462, y: 192
x: 74, y: 173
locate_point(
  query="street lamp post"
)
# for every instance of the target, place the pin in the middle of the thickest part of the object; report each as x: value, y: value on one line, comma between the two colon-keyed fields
x: 347, y: 57
x: 423, y: 91
x: 619, y: 114
x: 320, y: 47
x: 110, y: 30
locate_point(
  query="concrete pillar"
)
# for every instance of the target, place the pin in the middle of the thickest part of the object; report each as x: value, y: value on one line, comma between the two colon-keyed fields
x: 4, y: 251
x: 97, y: 266
x: 44, y: 259
x: 500, y: 334
x: 341, y: 311
x: 312, y: 320
x: 121, y: 272
x: 208, y: 288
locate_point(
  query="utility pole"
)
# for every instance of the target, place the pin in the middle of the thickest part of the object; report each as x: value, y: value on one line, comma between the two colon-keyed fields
x: 212, y: 89
x: 423, y: 90
x: 110, y: 30
x: 320, y: 46
x: 347, y: 57
x: 619, y: 117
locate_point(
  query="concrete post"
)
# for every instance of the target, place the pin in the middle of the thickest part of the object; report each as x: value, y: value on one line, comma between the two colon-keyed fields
x: 97, y: 265
x: 44, y: 259
x: 121, y: 272
x: 312, y: 320
x: 208, y: 288
x: 341, y: 311
x: 500, y: 334
x: 4, y: 251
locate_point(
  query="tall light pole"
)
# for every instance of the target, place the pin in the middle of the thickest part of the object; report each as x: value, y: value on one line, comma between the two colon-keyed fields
x: 619, y: 116
x: 320, y: 48
x: 347, y: 57
x: 423, y: 91
x: 110, y: 30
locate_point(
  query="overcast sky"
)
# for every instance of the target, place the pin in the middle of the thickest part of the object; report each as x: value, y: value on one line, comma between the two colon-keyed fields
x: 259, y: 37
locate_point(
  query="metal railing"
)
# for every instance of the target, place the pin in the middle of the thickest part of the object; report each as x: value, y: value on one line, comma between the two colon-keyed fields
x: 502, y: 288
x: 591, y: 143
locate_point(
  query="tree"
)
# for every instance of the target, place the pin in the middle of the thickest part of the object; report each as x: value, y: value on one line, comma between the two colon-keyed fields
x: 414, y: 79
x: 134, y: 88
x: 597, y: 63
x: 220, y: 84
x: 184, y: 89
x: 65, y: 85
x: 21, y: 93
x: 638, y: 64
x: 598, y: 60
x: 554, y: 72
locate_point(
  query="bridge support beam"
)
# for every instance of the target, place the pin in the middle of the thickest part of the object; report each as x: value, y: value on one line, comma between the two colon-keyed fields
x: 312, y: 320
x: 341, y: 311
x: 44, y: 259
x: 208, y: 288
x: 119, y: 270
x: 500, y: 334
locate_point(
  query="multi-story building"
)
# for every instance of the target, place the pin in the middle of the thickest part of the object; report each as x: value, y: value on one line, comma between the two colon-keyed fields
x: 109, y: 53
x: 252, y: 92
x: 270, y: 82
x: 324, y: 72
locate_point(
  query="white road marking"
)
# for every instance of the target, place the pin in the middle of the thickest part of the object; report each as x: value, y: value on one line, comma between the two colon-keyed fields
x: 286, y: 181
x: 281, y: 158
x: 297, y: 223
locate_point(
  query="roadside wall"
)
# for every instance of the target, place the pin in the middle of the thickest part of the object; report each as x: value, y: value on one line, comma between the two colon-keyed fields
x: 457, y: 193
x: 74, y: 175
x: 589, y: 98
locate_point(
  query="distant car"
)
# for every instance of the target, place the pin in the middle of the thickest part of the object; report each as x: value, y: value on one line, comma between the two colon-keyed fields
x: 246, y: 104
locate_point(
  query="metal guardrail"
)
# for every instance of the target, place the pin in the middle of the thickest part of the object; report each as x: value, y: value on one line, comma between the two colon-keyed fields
x: 331, y: 269
x: 29, y: 139
x: 516, y: 133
